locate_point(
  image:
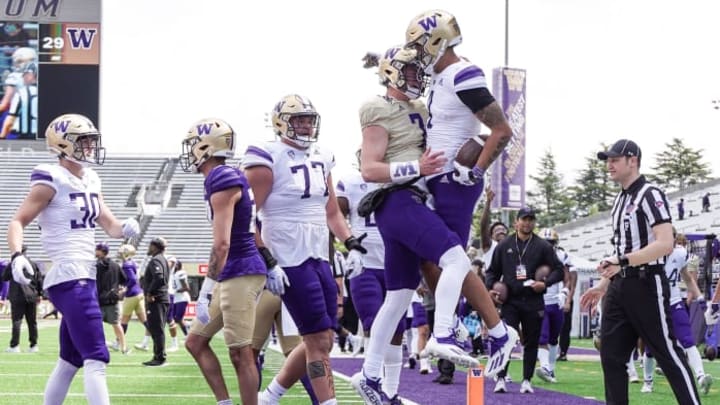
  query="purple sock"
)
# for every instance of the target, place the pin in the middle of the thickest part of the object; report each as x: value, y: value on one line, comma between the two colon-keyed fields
x: 124, y: 327
x: 308, y: 387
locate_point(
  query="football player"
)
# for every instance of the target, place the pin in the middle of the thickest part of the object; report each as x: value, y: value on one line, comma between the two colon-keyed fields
x: 14, y: 81
x: 134, y: 301
x: 292, y: 182
x: 67, y: 200
x: 676, y: 270
x: 367, y: 285
x: 459, y: 101
x: 555, y: 297
x: 394, y: 154
x: 236, y: 271
x: 182, y: 296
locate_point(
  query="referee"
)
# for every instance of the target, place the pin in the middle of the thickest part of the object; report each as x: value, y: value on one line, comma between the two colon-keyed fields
x: 635, y: 286
x: 21, y: 121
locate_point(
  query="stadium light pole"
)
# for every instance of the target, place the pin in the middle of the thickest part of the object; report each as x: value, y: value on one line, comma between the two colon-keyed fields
x: 507, y: 31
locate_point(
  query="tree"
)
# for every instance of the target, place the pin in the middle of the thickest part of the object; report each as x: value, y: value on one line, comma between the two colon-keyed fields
x: 593, y: 190
x: 550, y: 198
x: 679, y: 166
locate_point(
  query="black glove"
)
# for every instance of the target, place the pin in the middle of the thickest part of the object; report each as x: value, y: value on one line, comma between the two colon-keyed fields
x: 353, y: 243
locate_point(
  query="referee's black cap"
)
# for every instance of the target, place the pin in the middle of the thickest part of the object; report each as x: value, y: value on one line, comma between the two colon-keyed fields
x: 623, y: 147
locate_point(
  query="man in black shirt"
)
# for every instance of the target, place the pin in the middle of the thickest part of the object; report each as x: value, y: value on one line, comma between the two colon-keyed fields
x: 110, y: 281
x: 155, y: 284
x: 23, y: 304
x: 515, y: 261
x: 634, y: 282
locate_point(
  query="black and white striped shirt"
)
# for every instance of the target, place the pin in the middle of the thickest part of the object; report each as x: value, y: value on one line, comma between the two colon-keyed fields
x: 24, y: 108
x: 635, y: 212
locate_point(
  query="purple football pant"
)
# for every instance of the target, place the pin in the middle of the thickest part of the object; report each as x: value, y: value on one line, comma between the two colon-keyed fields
x: 410, y: 232
x: 311, y: 297
x: 419, y: 315
x: 81, y: 329
x: 171, y: 310
x: 455, y: 203
x: 368, y: 294
x: 681, y: 325
x: 551, y: 325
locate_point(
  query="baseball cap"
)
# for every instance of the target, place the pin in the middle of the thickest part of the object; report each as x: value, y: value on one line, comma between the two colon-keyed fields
x: 623, y: 147
x: 526, y: 212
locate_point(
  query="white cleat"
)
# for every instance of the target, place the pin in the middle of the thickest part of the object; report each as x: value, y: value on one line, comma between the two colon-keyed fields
x: 172, y: 348
x: 705, y: 382
x: 265, y: 399
x: 15, y: 349
x: 357, y: 344
x: 141, y: 346
x: 543, y: 374
x: 370, y: 390
x: 34, y: 349
x: 425, y: 367
x: 647, y: 387
x: 445, y: 348
x: 500, y: 387
x: 526, y: 387
x: 500, y: 351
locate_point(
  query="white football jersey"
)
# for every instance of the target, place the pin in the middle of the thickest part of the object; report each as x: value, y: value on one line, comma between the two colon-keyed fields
x: 67, y: 224
x: 451, y: 122
x: 353, y: 188
x: 177, y: 278
x: 674, y: 264
x: 14, y: 79
x: 552, y: 292
x: 293, y: 218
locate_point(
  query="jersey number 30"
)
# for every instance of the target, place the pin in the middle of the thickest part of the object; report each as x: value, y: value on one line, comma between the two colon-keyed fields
x: 89, y: 206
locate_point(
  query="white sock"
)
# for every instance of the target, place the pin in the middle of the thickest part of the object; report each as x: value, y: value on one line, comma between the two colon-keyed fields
x: 695, y: 361
x: 631, y: 368
x: 552, y: 353
x: 225, y: 402
x: 145, y: 340
x: 331, y: 401
x: 414, y: 341
x: 648, y: 368
x: 425, y: 364
x: 390, y: 313
x: 96, y: 388
x: 59, y: 382
x: 455, y: 265
x: 543, y: 356
x: 393, y: 366
x: 174, y: 341
x: 498, y: 330
x: 365, y: 341
x: 275, y: 390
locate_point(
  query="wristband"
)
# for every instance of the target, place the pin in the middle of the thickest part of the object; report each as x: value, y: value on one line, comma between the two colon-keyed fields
x: 270, y: 261
x: 340, y: 305
x: 401, y: 172
x: 623, y: 261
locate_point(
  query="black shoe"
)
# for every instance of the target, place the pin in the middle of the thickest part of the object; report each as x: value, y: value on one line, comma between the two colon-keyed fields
x: 443, y: 379
x: 562, y: 357
x: 154, y: 363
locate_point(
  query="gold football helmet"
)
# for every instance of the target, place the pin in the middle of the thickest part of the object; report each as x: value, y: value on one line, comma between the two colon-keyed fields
x: 126, y: 251
x: 295, y: 119
x: 399, y: 68
x: 209, y: 137
x: 430, y: 34
x: 74, y: 137
x: 21, y: 57
x: 550, y: 235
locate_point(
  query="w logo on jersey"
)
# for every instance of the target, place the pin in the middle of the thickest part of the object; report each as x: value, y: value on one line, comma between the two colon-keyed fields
x: 204, y: 129
x: 391, y: 53
x: 81, y: 38
x: 428, y: 23
x: 61, y: 126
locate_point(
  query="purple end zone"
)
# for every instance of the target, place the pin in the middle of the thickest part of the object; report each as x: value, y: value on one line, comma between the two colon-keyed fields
x: 420, y: 389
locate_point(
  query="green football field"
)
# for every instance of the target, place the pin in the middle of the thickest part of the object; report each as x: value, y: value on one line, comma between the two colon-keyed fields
x: 23, y: 376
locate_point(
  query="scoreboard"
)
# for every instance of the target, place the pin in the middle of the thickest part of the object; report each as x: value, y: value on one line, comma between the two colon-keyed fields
x: 49, y: 62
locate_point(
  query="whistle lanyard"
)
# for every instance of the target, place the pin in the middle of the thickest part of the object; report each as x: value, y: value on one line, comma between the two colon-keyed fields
x: 517, y: 246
